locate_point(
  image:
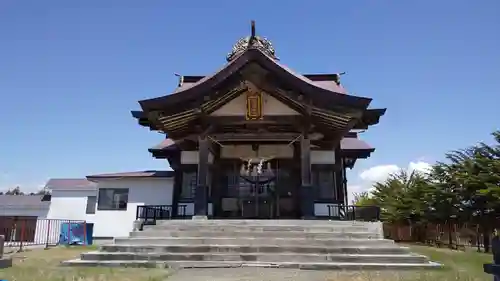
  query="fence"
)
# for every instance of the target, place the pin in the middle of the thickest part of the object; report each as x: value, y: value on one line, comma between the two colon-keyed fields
x: 353, y: 213
x: 455, y: 236
x: 29, y: 232
x: 158, y: 212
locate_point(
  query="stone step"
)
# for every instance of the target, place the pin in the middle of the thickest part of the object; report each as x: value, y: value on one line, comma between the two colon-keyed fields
x: 250, y: 241
x: 258, y: 228
x: 267, y: 222
x: 295, y: 265
x: 256, y: 257
x: 266, y: 234
x: 188, y: 248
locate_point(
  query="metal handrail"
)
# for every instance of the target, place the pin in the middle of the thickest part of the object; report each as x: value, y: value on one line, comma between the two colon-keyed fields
x: 158, y: 212
x: 353, y: 213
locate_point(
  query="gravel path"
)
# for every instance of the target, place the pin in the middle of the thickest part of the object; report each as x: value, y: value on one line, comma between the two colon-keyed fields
x: 248, y: 274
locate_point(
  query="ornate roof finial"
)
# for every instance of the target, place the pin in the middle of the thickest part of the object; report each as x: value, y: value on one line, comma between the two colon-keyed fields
x: 252, y: 41
x: 337, y: 78
x: 253, y: 29
x: 181, y: 79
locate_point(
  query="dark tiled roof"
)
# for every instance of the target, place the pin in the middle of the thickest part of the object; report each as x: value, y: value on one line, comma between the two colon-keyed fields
x: 23, y: 201
x: 334, y: 92
x: 69, y: 184
x: 325, y: 81
x: 164, y: 144
x: 138, y: 174
x: 354, y: 144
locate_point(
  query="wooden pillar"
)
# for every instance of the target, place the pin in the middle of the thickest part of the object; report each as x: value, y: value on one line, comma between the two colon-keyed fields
x: 307, y: 204
x: 339, y: 177
x: 201, y: 194
x: 344, y: 182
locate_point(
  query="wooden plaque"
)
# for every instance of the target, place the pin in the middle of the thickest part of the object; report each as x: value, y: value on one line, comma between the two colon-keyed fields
x: 254, y: 106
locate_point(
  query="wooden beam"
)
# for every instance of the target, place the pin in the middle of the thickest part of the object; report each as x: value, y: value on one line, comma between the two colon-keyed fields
x: 307, y: 188
x: 234, y: 137
x: 269, y: 119
x: 201, y: 193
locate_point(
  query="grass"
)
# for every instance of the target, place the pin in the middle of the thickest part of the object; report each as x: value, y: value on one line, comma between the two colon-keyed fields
x: 458, y: 266
x: 43, y: 265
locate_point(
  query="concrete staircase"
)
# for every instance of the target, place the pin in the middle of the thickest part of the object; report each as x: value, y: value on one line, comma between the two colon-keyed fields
x: 305, y: 244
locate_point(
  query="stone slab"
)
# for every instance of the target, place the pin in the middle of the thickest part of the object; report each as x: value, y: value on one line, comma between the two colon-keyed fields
x: 241, y: 249
x: 304, y: 266
x: 251, y: 241
x: 493, y: 269
x: 5, y: 262
x: 260, y: 228
x: 253, y: 234
x: 298, y: 244
x: 199, y: 218
x: 258, y: 257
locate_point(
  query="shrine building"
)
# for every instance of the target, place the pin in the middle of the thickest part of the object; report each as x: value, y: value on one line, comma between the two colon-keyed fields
x: 258, y: 140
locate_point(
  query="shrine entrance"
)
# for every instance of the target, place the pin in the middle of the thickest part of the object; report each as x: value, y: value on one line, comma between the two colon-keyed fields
x: 258, y: 189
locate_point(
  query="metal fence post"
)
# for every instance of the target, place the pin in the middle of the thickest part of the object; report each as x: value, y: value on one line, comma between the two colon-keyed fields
x: 494, y: 268
x: 85, y: 233
x: 48, y: 234
x: 69, y: 233
x: 23, y: 229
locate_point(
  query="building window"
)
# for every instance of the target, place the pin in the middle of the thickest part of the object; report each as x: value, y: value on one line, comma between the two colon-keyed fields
x: 112, y: 199
x: 91, y: 202
x: 324, y: 180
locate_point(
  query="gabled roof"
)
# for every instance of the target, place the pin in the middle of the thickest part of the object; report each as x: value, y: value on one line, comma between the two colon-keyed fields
x: 70, y: 184
x: 23, y: 201
x: 352, y: 147
x: 329, y: 81
x: 137, y: 174
x: 333, y: 93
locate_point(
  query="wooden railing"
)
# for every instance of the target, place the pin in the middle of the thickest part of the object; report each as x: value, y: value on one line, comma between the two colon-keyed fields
x: 353, y: 213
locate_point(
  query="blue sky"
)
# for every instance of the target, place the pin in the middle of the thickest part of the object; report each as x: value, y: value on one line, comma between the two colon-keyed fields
x: 71, y: 71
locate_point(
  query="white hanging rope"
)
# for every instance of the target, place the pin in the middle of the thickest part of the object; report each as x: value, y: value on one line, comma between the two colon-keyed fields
x: 214, y: 140
x: 294, y: 140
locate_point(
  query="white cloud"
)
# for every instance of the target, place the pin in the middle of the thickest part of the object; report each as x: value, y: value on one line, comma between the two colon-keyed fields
x: 378, y: 173
x: 365, y: 179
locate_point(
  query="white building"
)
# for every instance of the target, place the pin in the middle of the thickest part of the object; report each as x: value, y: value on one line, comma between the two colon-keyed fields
x: 109, y: 201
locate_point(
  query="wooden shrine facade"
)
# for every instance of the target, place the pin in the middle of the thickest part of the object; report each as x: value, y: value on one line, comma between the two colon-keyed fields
x: 257, y: 140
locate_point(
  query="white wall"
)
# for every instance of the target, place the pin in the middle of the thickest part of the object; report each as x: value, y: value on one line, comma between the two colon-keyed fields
x: 70, y: 204
x: 190, y: 209
x: 322, y: 156
x: 118, y: 223
x: 321, y: 210
x: 192, y: 157
x: 270, y: 106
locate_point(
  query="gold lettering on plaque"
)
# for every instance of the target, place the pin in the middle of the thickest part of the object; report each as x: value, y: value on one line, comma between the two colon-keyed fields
x: 254, y: 105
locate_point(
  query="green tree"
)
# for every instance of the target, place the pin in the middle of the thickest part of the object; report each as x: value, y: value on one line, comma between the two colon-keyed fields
x: 362, y: 199
x: 15, y: 191
x: 402, y: 197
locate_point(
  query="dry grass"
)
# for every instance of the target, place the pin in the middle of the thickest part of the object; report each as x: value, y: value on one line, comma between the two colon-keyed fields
x: 458, y: 266
x: 43, y: 265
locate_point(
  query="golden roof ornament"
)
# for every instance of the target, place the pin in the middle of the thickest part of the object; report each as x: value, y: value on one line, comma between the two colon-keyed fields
x: 252, y: 41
